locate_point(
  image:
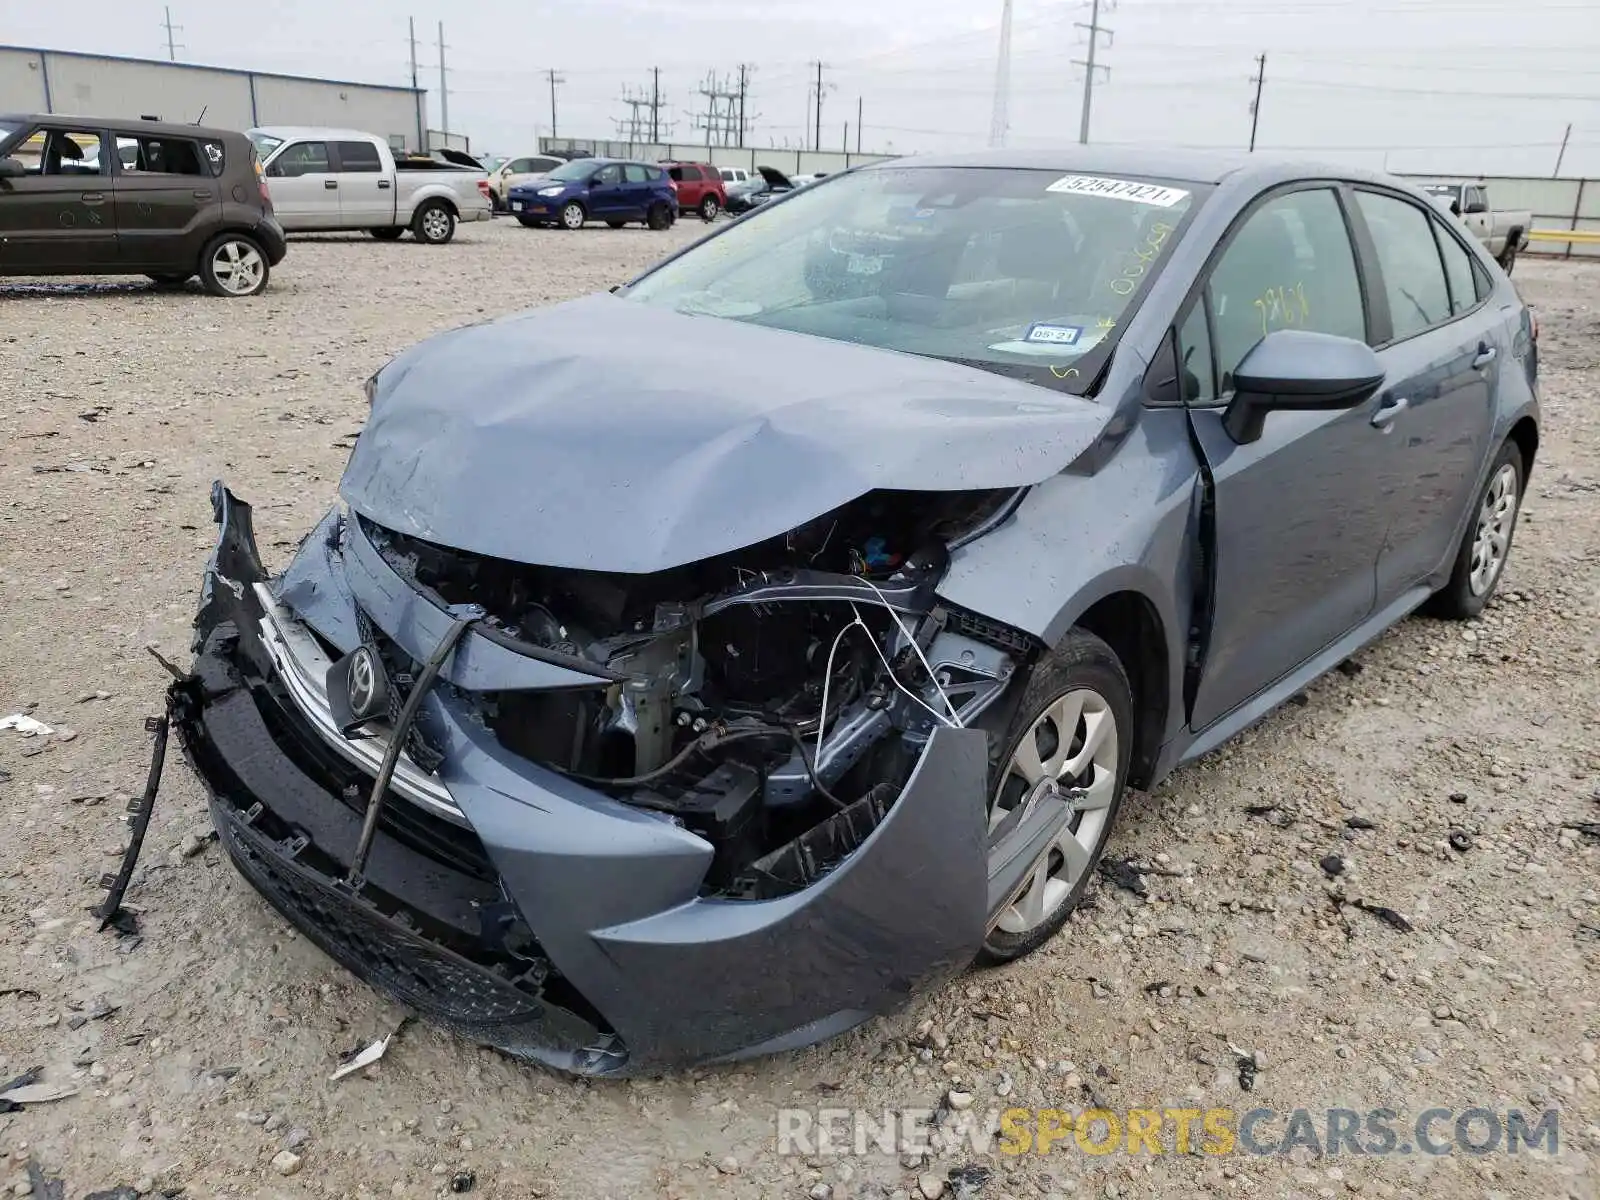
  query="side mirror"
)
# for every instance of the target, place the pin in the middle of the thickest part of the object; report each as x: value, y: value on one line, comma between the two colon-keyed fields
x: 1455, y: 208
x: 1298, y: 369
x: 10, y: 168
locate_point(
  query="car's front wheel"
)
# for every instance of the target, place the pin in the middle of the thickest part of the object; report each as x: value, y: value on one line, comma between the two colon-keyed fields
x: 1072, y: 737
x: 572, y: 215
x: 1485, y: 547
x: 233, y: 265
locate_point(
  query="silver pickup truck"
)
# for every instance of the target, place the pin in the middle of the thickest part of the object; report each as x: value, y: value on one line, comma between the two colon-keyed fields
x: 1503, y: 233
x: 331, y: 179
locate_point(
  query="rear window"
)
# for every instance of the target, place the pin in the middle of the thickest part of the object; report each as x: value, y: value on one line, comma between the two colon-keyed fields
x: 360, y: 157
x: 160, y: 156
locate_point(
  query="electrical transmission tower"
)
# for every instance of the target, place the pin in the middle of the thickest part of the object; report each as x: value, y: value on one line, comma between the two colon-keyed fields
x: 1000, y: 121
x: 1088, y: 64
x: 172, y: 46
x: 635, y: 127
x: 722, y: 120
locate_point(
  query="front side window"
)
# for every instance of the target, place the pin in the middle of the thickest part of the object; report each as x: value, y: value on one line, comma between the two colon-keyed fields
x: 302, y: 158
x: 1289, y: 266
x: 60, y: 152
x: 1026, y: 273
x: 360, y: 157
x: 1408, y: 257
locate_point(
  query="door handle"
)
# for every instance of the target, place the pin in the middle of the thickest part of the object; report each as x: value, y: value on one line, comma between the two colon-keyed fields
x: 198, y: 194
x: 1391, y: 408
x: 384, y: 184
x: 1486, y: 355
x: 93, y: 197
x: 330, y: 184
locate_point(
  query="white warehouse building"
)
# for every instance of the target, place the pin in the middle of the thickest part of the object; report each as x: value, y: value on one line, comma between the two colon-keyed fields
x: 54, y: 81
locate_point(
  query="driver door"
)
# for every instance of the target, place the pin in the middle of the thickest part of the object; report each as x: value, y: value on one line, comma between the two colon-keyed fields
x: 58, y: 215
x: 1299, y: 513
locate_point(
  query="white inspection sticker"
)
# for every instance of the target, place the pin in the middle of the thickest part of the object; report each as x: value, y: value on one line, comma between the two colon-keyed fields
x: 1054, y: 335
x: 1119, y: 189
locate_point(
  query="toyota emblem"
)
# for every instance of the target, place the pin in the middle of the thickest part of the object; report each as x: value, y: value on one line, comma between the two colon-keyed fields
x: 362, y: 679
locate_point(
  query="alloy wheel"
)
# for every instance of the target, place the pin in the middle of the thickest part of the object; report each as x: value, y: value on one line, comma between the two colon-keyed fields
x: 436, y: 224
x: 238, y: 267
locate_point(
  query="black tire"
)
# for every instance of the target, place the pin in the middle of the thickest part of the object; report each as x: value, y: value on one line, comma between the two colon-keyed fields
x: 1460, y: 599
x: 434, y: 223
x: 242, y: 246
x: 1508, y: 256
x: 616, y: 224
x: 529, y: 222
x: 170, y: 281
x: 572, y: 216
x: 659, y: 216
x: 389, y: 233
x: 1081, y: 661
x: 710, y: 206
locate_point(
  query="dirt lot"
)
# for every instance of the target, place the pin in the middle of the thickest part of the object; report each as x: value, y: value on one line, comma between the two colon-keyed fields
x: 122, y: 403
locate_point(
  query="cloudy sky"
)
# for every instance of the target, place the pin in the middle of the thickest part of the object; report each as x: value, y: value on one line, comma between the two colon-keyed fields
x: 1420, y: 85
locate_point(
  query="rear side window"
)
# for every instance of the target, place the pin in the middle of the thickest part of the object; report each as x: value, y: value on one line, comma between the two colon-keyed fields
x: 1457, y: 269
x: 636, y: 173
x: 1408, y: 257
x: 160, y: 156
x: 691, y: 174
x: 216, y: 155
x: 302, y: 158
x: 361, y: 157
x: 1289, y: 266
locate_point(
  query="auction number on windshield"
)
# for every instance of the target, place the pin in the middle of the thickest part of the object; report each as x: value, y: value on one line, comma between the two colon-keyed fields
x: 1143, y: 256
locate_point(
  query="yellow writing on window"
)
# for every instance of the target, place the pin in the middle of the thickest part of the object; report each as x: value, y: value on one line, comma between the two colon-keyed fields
x: 1282, y: 307
x: 1143, y: 256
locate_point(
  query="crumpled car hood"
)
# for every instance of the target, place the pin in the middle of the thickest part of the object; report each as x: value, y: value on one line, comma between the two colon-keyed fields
x: 612, y: 435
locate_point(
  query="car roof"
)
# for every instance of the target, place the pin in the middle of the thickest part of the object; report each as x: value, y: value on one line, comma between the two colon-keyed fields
x: 1184, y: 164
x: 290, y: 132
x: 120, y: 124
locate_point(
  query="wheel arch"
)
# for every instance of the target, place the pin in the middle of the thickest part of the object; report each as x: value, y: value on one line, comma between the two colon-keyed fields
x: 435, y: 198
x: 1525, y: 433
x: 1129, y: 621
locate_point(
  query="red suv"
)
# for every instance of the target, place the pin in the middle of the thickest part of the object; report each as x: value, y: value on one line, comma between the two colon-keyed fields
x: 699, y: 187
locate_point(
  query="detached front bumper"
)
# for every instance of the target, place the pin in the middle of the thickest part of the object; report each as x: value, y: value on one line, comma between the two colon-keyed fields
x: 527, y: 911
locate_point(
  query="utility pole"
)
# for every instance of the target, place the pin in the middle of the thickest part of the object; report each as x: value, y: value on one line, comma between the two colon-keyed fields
x: 172, y: 46
x: 444, y: 88
x: 1562, y: 153
x: 744, y: 92
x: 554, y: 79
x: 817, y: 139
x: 1000, y: 119
x: 655, y: 106
x: 858, y: 124
x: 1089, y: 66
x: 1259, y: 79
x: 416, y: 88
x: 845, y: 145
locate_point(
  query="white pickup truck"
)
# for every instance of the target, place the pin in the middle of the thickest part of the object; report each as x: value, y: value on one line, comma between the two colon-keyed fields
x: 331, y: 179
x: 1502, y: 233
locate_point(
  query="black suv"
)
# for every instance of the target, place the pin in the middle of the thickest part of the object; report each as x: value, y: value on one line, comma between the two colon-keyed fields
x: 80, y: 196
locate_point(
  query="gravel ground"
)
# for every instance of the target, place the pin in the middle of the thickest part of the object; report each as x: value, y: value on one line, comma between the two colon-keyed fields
x: 211, y: 1074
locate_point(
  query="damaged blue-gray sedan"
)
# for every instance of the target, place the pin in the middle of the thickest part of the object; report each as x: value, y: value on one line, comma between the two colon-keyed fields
x: 691, y: 672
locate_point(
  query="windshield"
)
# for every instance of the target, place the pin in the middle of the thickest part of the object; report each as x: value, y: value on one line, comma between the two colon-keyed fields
x: 572, y: 172
x: 265, y: 144
x: 1026, y: 273
x: 6, y: 130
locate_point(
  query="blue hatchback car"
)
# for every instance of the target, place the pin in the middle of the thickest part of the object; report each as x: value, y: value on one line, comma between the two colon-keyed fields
x: 597, y: 189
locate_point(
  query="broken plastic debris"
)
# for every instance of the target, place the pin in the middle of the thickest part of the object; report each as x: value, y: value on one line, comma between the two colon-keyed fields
x: 25, y: 725
x: 365, y: 1058
x: 37, y: 1093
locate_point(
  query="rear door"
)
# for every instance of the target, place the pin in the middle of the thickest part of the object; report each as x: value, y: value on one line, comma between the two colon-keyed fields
x: 639, y: 186
x: 1299, y: 522
x: 168, y: 200
x: 58, y: 215
x: 366, y: 192
x: 1442, y: 352
x: 305, y: 190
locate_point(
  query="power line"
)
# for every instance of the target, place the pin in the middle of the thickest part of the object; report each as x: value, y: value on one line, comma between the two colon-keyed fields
x: 172, y: 47
x: 1089, y: 68
x: 1259, y: 79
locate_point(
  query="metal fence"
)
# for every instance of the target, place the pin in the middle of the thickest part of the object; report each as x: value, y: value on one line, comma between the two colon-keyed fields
x: 790, y: 162
x: 1570, y: 206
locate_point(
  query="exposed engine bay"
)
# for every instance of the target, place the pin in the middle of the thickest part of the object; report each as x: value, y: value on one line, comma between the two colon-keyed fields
x: 772, y: 700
